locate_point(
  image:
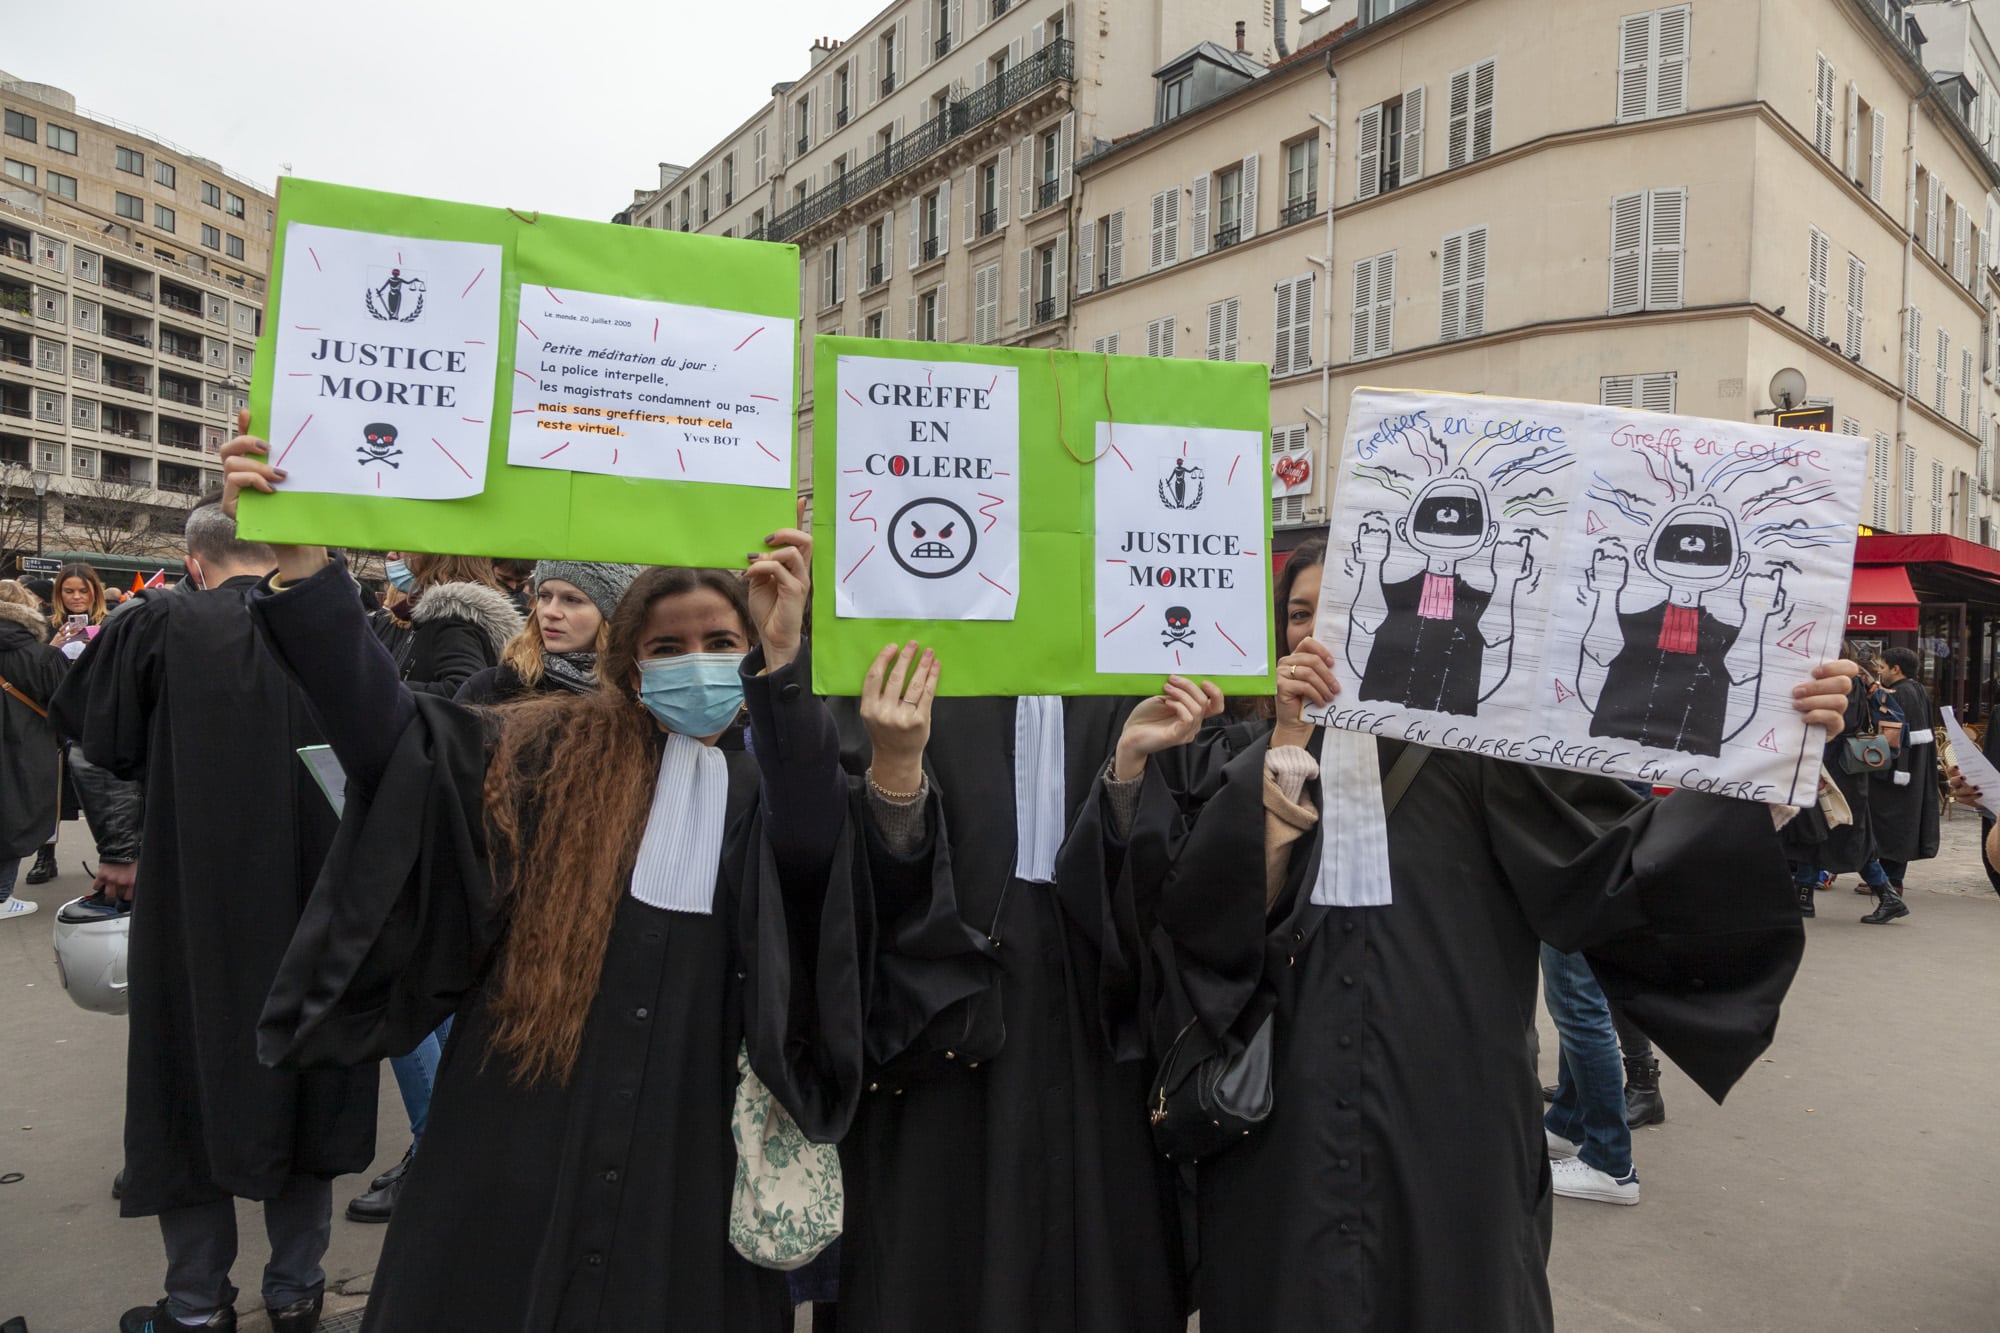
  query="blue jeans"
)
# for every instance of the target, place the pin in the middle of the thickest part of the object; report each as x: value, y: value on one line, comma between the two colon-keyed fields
x: 1590, y: 1076
x: 1805, y: 875
x: 9, y: 870
x: 415, y: 1073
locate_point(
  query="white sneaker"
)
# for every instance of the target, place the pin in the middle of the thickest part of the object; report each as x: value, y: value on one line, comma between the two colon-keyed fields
x: 1576, y: 1179
x: 1560, y: 1148
x: 14, y: 907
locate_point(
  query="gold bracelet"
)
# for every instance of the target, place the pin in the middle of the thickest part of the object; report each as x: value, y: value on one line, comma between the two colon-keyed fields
x: 895, y: 797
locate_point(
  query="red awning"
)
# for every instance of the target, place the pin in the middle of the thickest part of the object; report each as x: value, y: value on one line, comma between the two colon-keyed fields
x: 1881, y: 599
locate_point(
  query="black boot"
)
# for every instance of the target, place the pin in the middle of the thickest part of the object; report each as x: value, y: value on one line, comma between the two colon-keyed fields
x: 301, y: 1316
x: 44, y: 868
x: 1806, y: 907
x: 1889, y: 906
x: 394, y: 1173
x: 379, y: 1203
x: 118, y: 1185
x: 1643, y: 1103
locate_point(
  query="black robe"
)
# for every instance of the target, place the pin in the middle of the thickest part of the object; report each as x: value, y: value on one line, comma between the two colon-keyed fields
x: 1022, y: 1196
x: 1905, y: 817
x: 1675, y: 701
x: 602, y: 1203
x: 1433, y: 664
x: 1809, y: 839
x: 1401, y: 1184
x: 178, y: 693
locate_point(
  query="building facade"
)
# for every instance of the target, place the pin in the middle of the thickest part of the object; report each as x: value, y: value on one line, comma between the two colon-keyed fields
x: 131, y: 297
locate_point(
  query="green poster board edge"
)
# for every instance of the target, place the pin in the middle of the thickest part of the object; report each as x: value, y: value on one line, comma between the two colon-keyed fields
x: 539, y: 513
x: 1048, y: 648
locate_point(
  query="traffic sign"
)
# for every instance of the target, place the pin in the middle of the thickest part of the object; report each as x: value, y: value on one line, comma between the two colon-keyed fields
x: 40, y: 564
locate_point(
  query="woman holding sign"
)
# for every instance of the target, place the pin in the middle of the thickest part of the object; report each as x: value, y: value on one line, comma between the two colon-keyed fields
x: 1400, y: 1181
x: 614, y: 908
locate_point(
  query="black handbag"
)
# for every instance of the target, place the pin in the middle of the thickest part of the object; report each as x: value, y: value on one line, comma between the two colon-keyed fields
x: 1204, y: 1099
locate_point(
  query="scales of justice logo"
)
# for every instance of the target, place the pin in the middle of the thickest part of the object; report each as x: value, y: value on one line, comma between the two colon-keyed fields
x: 397, y: 298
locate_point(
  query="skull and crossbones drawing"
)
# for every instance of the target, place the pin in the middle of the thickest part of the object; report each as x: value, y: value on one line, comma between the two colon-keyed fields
x: 380, y: 444
x: 1179, y: 628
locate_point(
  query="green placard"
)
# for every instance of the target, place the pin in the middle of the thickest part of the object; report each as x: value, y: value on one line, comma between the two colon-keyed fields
x: 535, y: 512
x: 1051, y: 644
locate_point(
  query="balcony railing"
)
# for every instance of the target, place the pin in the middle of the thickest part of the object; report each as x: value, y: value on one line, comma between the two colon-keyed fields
x: 1045, y: 310
x: 129, y: 383
x: 930, y: 249
x: 1228, y: 236
x: 127, y: 289
x: 17, y: 250
x: 1054, y: 63
x: 181, y: 307
x: 1298, y: 210
x: 10, y: 409
x: 989, y: 221
x: 136, y: 339
x: 1046, y: 193
x: 1001, y: 6
x: 185, y: 353
x: 179, y: 396
x: 18, y: 358
x: 840, y: 118
x: 942, y: 47
x: 888, y: 83
x: 181, y: 441
x: 877, y: 275
x: 128, y: 432
x: 804, y: 145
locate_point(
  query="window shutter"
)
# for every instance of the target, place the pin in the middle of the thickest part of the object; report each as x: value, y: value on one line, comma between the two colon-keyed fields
x: 1246, y: 215
x: 1062, y: 276
x: 1027, y: 175
x: 925, y: 52
x: 943, y: 316
x: 1014, y: 52
x: 1166, y: 336
x: 827, y: 269
x: 1635, y: 54
x: 1913, y: 355
x: 1666, y: 227
x: 1173, y: 231
x: 1027, y: 289
x: 1670, y: 68
x: 1857, y: 297
x: 1961, y: 233
x: 1362, y: 316
x: 913, y: 319
x: 1003, y: 180
x: 1281, y: 330
x: 1628, y: 255
x: 1368, y: 154
x: 1287, y: 441
x: 1114, y: 248
x: 1484, y: 91
x: 916, y: 232
x: 874, y: 71
x: 1618, y: 390
x: 1066, y: 150
x: 1938, y: 382
x: 1878, y: 133
x: 1451, y: 278
x: 1475, y: 282
x: 1215, y: 331
x: 1086, y: 259
x: 857, y: 245
x: 1909, y: 488
x: 1413, y: 136
x: 979, y: 306
x: 1823, y: 107
x: 1384, y: 339
x: 1853, y: 132
x: 1232, y: 309
x: 1934, y: 219
x: 1937, y: 496
x: 1816, y: 285
x: 971, y: 207
x: 1198, y: 215
x: 1159, y: 256
x: 1656, y: 392
x: 812, y: 121
x: 1880, y: 462
x: 1039, y: 35
x: 1965, y: 388
x: 1458, y: 114
x: 944, y: 215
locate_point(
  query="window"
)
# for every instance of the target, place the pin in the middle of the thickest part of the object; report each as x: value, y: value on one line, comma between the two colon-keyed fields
x: 1291, y: 331
x: 703, y: 195
x: 1176, y: 96
x: 832, y: 268
x: 129, y: 206
x: 64, y: 186
x: 986, y: 199
x: 930, y: 232
x: 163, y: 217
x: 1044, y: 283
x: 1301, y: 180
x: 1054, y: 26
x: 1166, y: 233
x: 1462, y: 273
x: 211, y: 236
x: 1105, y: 346
x: 62, y: 139
x: 802, y: 121
x: 878, y: 253
x: 1943, y: 373
x: 1816, y: 285
x: 1101, y: 253
x: 132, y: 160
x: 1648, y: 393
x: 233, y: 205
x: 927, y: 317
x: 1390, y: 151
x: 871, y: 327
x: 759, y: 150
x: 21, y: 125
x: 1228, y: 207
x: 843, y: 95
x: 1878, y: 464
x: 1857, y: 298
x: 1470, y: 135
x: 943, y: 27
x: 1049, y: 160
x: 1289, y: 510
x: 1823, y: 107
x: 20, y: 171
x: 886, y: 62
x: 1648, y: 250
x: 233, y: 247
x: 211, y: 194
x: 1222, y: 321
x: 1913, y: 342
x: 163, y: 173
x: 1374, y: 314
x: 1653, y: 63
x: 727, y: 173
x: 986, y: 304
x: 1160, y: 337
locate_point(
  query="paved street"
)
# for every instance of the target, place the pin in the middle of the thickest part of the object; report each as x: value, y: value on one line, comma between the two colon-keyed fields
x: 1849, y: 1186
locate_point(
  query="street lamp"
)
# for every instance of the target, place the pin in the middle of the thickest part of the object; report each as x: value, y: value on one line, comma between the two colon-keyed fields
x: 41, y: 508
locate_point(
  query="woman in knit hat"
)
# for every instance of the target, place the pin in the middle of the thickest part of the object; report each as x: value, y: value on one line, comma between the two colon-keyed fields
x: 558, y: 648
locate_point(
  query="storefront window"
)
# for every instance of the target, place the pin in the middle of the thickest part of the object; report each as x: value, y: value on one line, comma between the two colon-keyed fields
x: 1941, y: 653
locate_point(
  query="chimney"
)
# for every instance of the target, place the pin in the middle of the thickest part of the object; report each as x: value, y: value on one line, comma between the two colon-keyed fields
x: 1239, y: 34
x: 821, y: 49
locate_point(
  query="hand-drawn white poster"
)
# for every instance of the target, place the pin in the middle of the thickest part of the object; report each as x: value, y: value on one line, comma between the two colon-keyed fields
x: 1591, y: 588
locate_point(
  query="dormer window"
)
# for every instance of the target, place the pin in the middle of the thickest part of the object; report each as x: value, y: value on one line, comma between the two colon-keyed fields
x: 1176, y: 95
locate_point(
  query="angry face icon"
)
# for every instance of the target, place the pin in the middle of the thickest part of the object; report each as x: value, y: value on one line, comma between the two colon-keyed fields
x: 932, y: 538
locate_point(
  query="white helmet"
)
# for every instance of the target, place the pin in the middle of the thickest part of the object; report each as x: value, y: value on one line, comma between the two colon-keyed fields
x: 90, y: 956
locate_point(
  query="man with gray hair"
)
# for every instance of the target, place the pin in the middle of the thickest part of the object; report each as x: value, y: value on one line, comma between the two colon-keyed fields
x: 178, y: 693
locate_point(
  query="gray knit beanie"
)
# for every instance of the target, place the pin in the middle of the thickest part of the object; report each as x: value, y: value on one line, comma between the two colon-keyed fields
x: 602, y: 584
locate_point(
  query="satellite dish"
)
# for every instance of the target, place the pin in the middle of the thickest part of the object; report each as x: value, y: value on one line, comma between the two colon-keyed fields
x: 1788, y: 387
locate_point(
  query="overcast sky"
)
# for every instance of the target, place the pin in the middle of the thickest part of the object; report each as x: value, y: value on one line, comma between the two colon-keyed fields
x: 562, y: 105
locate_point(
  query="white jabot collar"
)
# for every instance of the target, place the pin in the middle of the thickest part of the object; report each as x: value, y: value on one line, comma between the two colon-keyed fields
x: 1039, y: 798
x: 682, y: 849
x: 1354, y: 831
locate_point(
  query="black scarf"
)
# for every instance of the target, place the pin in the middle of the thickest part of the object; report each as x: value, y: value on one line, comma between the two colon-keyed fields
x: 575, y: 672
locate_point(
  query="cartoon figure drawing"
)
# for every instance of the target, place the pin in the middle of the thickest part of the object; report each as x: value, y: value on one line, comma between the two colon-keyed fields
x: 1442, y: 638
x: 1682, y: 673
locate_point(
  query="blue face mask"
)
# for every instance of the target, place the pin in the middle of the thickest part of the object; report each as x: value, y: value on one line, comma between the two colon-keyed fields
x: 400, y: 577
x: 696, y: 694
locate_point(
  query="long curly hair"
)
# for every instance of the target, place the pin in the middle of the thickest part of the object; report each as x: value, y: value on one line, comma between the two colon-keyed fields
x: 568, y: 791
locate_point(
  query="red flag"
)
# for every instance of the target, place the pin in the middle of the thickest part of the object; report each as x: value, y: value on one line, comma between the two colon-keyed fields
x: 159, y: 579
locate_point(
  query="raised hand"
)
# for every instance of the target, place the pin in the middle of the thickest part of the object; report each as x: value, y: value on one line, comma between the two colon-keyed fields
x: 1608, y: 571
x: 1371, y: 542
x: 896, y: 701
x: 1305, y: 678
x: 246, y: 467
x: 780, y: 583
x: 1169, y: 718
x: 1823, y: 698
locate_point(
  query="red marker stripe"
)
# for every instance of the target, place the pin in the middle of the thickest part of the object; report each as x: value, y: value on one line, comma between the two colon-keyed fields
x: 524, y: 375
x: 1232, y: 469
x: 1123, y: 623
x: 1232, y: 643
x: 746, y: 342
x: 553, y: 297
x: 857, y: 564
x: 683, y: 457
x: 767, y: 453
x: 295, y: 439
x: 454, y: 459
x: 523, y: 411
x: 298, y: 374
x: 470, y: 285
x: 316, y: 264
x: 614, y: 457
x: 1008, y: 591
x: 855, y: 515
x: 531, y: 333
x: 656, y: 329
x: 1123, y: 459
x: 765, y: 396
x: 553, y: 452
x: 856, y: 401
x: 472, y: 421
x: 306, y: 328
x: 986, y: 510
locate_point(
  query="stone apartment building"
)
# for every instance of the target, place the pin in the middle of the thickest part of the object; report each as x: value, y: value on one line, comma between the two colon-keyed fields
x: 131, y: 297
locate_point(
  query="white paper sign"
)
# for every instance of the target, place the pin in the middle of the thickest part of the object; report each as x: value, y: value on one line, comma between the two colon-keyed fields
x: 633, y: 388
x: 1183, y: 579
x: 1592, y: 588
x: 928, y: 521
x: 383, y: 377
x: 1972, y: 762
